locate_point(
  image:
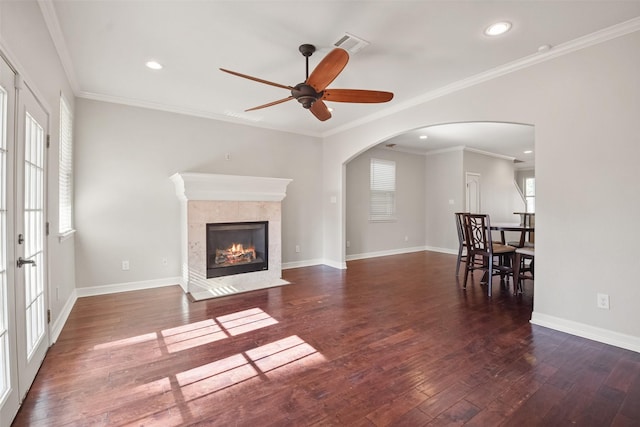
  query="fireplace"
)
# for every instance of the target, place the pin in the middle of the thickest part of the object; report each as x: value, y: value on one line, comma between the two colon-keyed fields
x: 225, y: 199
x: 237, y: 247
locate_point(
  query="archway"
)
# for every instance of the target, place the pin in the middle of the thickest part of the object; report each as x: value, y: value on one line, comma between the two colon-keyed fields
x: 430, y: 164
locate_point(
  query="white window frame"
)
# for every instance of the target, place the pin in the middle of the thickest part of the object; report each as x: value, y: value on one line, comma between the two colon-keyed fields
x: 382, y: 190
x: 530, y: 194
x: 65, y: 172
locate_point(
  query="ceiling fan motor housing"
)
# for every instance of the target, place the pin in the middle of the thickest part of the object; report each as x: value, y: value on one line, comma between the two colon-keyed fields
x: 305, y: 94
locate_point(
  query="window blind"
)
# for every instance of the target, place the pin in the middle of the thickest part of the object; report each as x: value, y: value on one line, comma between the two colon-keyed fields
x: 65, y: 174
x: 382, y: 201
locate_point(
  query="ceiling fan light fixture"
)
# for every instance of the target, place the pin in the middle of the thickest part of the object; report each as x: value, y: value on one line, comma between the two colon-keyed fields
x: 497, y: 28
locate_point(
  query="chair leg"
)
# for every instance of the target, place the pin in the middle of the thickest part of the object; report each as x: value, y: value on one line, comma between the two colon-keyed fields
x: 466, y: 274
x: 459, y: 259
x: 490, y: 277
x: 516, y: 272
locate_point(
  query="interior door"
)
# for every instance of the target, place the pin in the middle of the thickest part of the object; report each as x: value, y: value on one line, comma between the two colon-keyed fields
x: 30, y: 213
x: 9, y: 393
x: 473, y: 192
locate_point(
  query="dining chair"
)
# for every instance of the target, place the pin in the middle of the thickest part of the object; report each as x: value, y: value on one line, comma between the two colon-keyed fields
x: 462, y: 241
x: 527, y: 219
x: 521, y: 270
x: 483, y: 253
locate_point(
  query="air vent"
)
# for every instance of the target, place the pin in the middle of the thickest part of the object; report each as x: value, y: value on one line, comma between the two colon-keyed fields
x: 351, y: 43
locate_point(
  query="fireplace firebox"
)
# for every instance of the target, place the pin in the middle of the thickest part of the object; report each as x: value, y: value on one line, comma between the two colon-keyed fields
x: 237, y: 247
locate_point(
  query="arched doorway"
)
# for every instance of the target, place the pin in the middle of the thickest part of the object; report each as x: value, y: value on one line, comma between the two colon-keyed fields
x: 431, y: 164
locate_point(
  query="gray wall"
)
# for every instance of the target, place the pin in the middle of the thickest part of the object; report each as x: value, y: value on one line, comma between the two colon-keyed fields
x: 498, y: 192
x: 444, y: 182
x: 367, y: 237
x: 584, y: 106
x: 430, y: 189
x: 127, y: 208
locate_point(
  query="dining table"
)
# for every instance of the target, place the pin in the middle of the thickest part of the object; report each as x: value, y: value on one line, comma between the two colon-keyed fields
x: 523, y: 229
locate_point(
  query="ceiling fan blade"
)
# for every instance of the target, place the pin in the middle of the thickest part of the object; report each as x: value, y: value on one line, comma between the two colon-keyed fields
x: 357, y: 95
x: 280, y: 101
x: 320, y: 110
x: 255, y: 79
x: 328, y: 69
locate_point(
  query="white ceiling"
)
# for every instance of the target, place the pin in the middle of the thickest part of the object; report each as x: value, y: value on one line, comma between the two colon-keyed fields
x: 416, y: 49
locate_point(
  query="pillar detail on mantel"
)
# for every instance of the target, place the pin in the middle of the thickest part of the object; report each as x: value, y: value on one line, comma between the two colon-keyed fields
x: 211, y: 198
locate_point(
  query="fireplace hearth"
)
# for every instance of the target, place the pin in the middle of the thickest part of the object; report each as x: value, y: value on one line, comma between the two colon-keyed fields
x: 237, y: 247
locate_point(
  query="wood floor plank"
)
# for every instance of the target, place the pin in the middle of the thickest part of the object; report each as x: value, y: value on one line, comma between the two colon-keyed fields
x: 391, y: 341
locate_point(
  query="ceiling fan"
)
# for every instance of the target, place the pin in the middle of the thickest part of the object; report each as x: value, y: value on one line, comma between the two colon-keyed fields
x: 313, y: 91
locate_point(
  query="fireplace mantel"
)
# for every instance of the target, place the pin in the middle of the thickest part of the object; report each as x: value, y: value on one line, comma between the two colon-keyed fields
x: 212, y: 198
x: 205, y: 186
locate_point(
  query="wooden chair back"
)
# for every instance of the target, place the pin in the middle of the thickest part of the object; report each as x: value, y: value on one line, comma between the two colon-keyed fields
x: 478, y: 234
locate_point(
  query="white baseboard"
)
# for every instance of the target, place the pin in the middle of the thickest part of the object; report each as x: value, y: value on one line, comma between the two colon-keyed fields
x: 441, y: 250
x: 353, y: 257
x: 335, y: 264
x: 304, y: 263
x: 130, y: 286
x: 56, y: 327
x: 605, y: 336
x: 400, y: 251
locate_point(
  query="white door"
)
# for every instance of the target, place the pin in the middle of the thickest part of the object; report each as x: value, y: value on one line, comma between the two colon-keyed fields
x: 30, y: 219
x: 9, y: 393
x: 473, y: 192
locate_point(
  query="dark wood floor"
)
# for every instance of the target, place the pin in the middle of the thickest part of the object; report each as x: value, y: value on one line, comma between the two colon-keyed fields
x: 390, y: 341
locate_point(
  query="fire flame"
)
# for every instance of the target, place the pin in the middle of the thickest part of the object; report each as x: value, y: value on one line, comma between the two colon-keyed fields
x: 235, y: 254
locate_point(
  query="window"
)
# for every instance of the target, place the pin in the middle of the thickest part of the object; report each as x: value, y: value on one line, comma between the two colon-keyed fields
x: 530, y: 194
x: 65, y: 178
x: 382, y: 199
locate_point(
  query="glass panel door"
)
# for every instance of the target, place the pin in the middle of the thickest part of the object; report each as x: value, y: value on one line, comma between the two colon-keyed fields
x: 31, y: 289
x: 9, y: 393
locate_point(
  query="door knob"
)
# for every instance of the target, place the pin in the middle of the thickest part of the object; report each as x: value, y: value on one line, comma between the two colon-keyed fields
x: 22, y: 261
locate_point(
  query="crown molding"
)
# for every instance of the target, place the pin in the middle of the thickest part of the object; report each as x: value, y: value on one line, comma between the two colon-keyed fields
x: 489, y: 154
x: 235, y: 118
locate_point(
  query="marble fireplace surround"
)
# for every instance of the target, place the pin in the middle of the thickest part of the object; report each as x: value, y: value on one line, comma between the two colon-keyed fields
x: 211, y: 198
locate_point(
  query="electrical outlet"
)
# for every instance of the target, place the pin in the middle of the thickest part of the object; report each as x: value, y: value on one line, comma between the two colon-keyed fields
x: 297, y: 249
x: 406, y: 238
x: 348, y: 244
x: 125, y: 265
x: 165, y: 261
x: 603, y: 301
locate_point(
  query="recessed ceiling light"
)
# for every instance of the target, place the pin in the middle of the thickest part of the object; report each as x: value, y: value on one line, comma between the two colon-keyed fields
x: 498, y: 28
x: 423, y: 137
x: 528, y: 151
x: 154, y: 65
